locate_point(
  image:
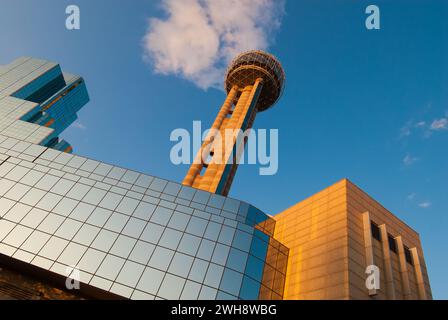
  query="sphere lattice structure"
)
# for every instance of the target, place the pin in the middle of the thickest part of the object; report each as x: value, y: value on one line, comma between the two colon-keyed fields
x: 246, y: 68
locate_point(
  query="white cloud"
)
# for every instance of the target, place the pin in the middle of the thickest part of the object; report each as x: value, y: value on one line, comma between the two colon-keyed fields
x: 440, y: 124
x: 412, y: 196
x: 409, y: 160
x: 198, y: 38
x: 425, y: 205
x: 79, y: 125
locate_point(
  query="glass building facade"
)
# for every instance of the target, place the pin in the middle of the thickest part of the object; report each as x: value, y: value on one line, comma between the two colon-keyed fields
x: 117, y: 231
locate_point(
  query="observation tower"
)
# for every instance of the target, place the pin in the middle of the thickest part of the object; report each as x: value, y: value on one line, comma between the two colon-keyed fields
x: 254, y: 82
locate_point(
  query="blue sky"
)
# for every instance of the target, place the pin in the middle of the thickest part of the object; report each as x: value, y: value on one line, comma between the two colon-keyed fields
x: 358, y: 104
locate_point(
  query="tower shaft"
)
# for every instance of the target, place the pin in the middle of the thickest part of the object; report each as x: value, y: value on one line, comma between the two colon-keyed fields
x: 222, y: 148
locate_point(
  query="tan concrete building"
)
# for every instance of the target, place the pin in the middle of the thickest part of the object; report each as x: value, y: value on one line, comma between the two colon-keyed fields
x: 335, y: 234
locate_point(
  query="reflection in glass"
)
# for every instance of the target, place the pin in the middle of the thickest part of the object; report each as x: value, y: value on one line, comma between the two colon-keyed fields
x: 104, y: 240
x: 110, y: 267
x: 161, y: 258
x: 130, y: 274
x: 181, y: 265
x: 171, y: 287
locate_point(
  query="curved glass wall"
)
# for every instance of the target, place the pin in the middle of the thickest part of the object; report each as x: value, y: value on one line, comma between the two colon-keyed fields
x: 134, y: 235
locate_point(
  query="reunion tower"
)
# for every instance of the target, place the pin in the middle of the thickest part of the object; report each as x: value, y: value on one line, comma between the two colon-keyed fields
x: 254, y: 82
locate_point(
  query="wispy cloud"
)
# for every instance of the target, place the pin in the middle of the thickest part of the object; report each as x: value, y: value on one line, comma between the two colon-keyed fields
x: 79, y: 125
x: 425, y: 204
x: 411, y: 196
x: 409, y: 160
x: 439, y: 124
x: 198, y: 38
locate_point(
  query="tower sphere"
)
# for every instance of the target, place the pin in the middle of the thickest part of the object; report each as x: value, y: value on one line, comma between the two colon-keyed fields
x: 246, y: 68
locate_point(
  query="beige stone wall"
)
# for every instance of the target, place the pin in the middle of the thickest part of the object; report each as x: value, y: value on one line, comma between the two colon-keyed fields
x: 315, y: 230
x: 328, y: 254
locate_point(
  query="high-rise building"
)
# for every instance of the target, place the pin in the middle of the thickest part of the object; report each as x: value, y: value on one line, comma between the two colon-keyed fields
x: 66, y: 220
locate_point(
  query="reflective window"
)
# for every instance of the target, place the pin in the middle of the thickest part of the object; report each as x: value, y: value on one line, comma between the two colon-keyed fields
x: 91, y: 260
x: 130, y: 177
x: 104, y: 240
x: 72, y: 254
x: 221, y: 253
x: 123, y: 246
x: 102, y: 169
x: 181, y: 264
x: 78, y: 191
x: 116, y: 222
x: 231, y: 282
x: 144, y: 181
x: 65, y: 206
x: 207, y: 293
x: 191, y: 291
x: 35, y: 242
x: 189, y: 244
x: 111, y: 201
x: 53, y: 248
x: 17, y: 192
x: 231, y: 205
x: 17, y: 173
x: 242, y: 241
x: 170, y: 239
x: 158, y: 184
x: 212, y: 231
x: 121, y: 290
x: 161, y: 215
x: 89, y: 165
x: 134, y: 227
x: 152, y: 233
x: 161, y: 258
x: 99, y: 217
x: 187, y: 193
x: 62, y: 187
x: 116, y: 173
x: 171, y: 287
x: 259, y: 248
x: 86, y: 234
x: 34, y: 218
x: 250, y: 289
x: 32, y: 177
x: 172, y: 189
x: 254, y: 268
x: 237, y: 260
x: 33, y: 197
x: 49, y: 201
x: 216, y: 201
x: 51, y: 223
x: 47, y: 182
x: 101, y: 283
x: 197, y: 226
x: 17, y: 212
x: 144, y: 211
x: 179, y: 221
x: 226, y: 235
x: 17, y: 236
x: 127, y: 205
x: 142, y: 252
x: 82, y: 212
x: 5, y: 205
x: 110, y: 267
x: 5, y: 228
x: 201, y: 197
x: 130, y: 274
x: 68, y: 229
x: 94, y: 196
x: 151, y: 280
x: 214, y: 274
x: 206, y: 249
